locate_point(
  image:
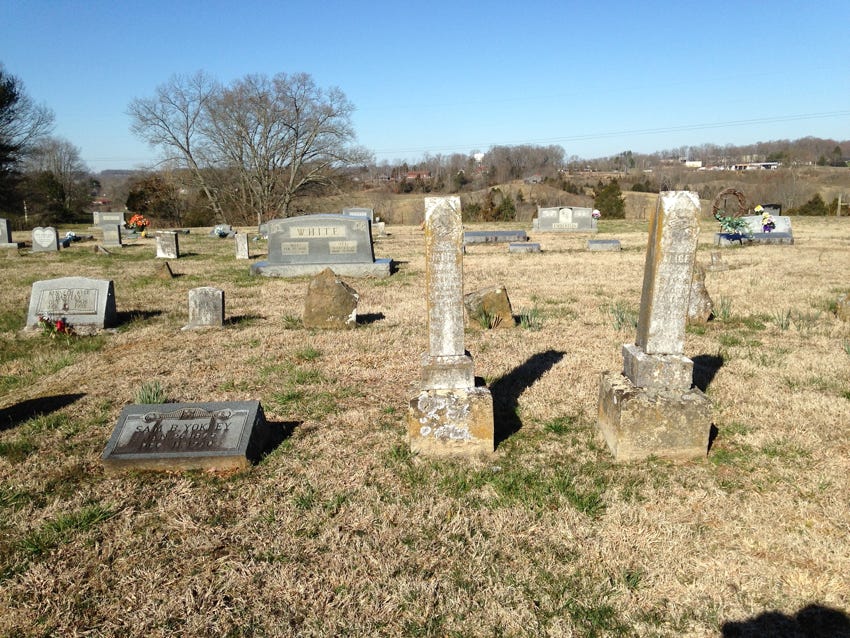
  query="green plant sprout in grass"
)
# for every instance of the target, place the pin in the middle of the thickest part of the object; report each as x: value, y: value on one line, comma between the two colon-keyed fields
x: 150, y: 392
x: 782, y: 319
x: 530, y: 319
x: 624, y: 317
x: 487, y: 320
x: 724, y: 309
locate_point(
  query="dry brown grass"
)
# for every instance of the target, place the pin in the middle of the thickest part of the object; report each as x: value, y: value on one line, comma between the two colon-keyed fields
x: 339, y: 531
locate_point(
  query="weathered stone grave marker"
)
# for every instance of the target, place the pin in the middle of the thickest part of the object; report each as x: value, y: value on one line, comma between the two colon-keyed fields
x: 45, y: 239
x: 493, y: 236
x: 167, y: 246
x: 652, y: 408
x: 525, y: 247
x: 308, y: 244
x: 187, y: 436
x: 84, y: 303
x: 594, y: 245
x: 450, y: 416
x: 490, y: 305
x: 242, y: 251
x: 112, y: 235
x: 6, y: 235
x: 330, y: 303
x: 206, y: 308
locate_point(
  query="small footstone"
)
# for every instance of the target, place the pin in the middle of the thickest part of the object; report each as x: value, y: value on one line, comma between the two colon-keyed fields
x: 491, y: 303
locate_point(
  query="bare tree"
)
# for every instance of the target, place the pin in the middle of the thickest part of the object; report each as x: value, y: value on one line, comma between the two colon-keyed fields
x: 256, y: 144
x: 61, y: 158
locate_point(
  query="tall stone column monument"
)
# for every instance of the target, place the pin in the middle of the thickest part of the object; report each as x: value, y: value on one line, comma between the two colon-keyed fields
x: 651, y: 409
x: 450, y: 416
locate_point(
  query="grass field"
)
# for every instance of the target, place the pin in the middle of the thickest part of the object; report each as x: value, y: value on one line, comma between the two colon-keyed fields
x: 340, y: 531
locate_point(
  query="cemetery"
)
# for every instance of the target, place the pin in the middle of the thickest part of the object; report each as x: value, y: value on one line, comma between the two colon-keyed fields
x: 317, y: 438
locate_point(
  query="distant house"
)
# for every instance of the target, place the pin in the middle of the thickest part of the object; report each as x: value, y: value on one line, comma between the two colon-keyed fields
x: 423, y: 175
x: 533, y: 179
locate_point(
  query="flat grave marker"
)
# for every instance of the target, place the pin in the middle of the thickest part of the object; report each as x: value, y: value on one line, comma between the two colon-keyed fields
x: 186, y: 436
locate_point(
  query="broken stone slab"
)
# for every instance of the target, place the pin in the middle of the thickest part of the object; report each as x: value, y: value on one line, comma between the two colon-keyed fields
x: 330, y: 304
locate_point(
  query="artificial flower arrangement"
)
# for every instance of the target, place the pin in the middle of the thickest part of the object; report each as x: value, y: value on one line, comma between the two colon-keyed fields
x: 138, y: 222
x: 596, y: 214
x: 55, y: 327
x: 767, y: 222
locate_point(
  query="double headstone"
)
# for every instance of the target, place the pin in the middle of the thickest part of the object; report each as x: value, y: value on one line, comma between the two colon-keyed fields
x: 45, y: 239
x: 652, y: 408
x: 167, y: 246
x: 108, y: 218
x: 308, y: 244
x: 564, y: 219
x: 450, y: 415
x: 82, y: 302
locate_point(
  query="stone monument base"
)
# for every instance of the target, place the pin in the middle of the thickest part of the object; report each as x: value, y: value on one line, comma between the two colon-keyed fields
x: 456, y: 422
x: 638, y: 422
x: 380, y: 268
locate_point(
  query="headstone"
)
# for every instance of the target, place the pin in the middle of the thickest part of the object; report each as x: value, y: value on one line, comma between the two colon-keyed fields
x: 525, y: 247
x: 6, y: 235
x: 493, y: 236
x: 700, y: 305
x: 187, y: 436
x: 308, y: 244
x: 206, y: 308
x: 450, y: 416
x: 716, y: 264
x: 594, y: 245
x: 45, y: 239
x: 330, y: 304
x: 102, y: 218
x: 111, y: 235
x: 565, y: 219
x: 369, y: 213
x: 167, y: 246
x: 85, y: 304
x: 242, y: 251
x: 652, y: 408
x: 490, y: 305
x: 164, y: 271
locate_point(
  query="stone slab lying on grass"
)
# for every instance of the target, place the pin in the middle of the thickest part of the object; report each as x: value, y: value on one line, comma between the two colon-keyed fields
x: 493, y: 236
x: 526, y: 247
x: 603, y: 244
x: 186, y: 436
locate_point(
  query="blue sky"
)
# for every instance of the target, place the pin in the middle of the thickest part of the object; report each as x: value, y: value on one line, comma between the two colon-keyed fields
x: 435, y: 77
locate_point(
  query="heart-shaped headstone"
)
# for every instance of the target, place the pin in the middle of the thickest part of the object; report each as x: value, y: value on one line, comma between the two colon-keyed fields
x: 45, y: 237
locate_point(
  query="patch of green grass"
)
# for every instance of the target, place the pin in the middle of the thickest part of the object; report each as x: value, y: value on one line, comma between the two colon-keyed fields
x: 785, y: 449
x: 806, y: 322
x: 12, y: 320
x: 755, y: 322
x: 624, y: 316
x: 486, y: 320
x: 782, y: 319
x: 62, y: 529
x: 308, y: 354
x: 17, y: 451
x: 561, y: 425
x: 530, y: 319
x: 729, y: 339
x: 291, y: 322
x: 13, y: 499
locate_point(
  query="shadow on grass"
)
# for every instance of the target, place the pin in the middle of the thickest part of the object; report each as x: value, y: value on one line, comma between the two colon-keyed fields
x: 25, y: 410
x: 123, y: 318
x: 705, y: 369
x: 242, y: 319
x: 370, y: 317
x: 813, y: 621
x: 276, y: 433
x: 507, y: 390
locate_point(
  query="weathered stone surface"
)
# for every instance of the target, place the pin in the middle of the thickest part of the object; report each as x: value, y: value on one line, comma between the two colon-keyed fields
x: 640, y: 422
x: 187, y: 436
x: 206, y: 308
x: 45, y: 239
x: 167, y: 245
x: 84, y: 303
x: 112, y: 235
x: 492, y: 303
x: 673, y: 234
x: 603, y: 245
x: 451, y: 422
x: 524, y: 247
x: 330, y: 304
x: 165, y: 272
x: 447, y: 371
x: 700, y: 305
x: 100, y: 250
x: 242, y: 251
x: 657, y: 371
x: 6, y: 235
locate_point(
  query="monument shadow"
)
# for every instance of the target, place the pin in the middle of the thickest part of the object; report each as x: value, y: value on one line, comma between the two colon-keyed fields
x: 276, y: 432
x: 370, y: 317
x: 129, y: 316
x: 507, y: 390
x: 813, y: 621
x: 21, y: 412
x: 705, y: 369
